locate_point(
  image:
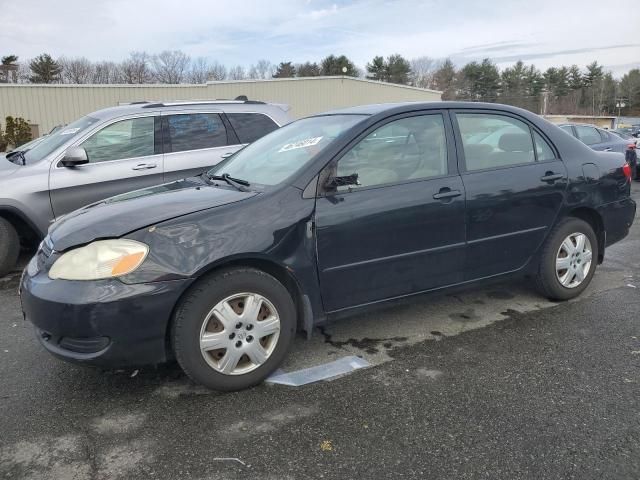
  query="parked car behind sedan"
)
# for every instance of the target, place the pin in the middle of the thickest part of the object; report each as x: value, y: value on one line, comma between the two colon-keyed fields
x: 631, y: 154
x: 116, y: 150
x: 596, y: 138
x: 325, y: 217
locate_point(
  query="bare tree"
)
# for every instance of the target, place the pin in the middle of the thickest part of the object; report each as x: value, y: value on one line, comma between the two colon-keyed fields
x: 237, y: 73
x: 202, y: 71
x: 217, y: 71
x: 170, y: 66
x: 199, y: 71
x: 262, y: 70
x: 136, y: 68
x: 422, y: 71
x: 24, y: 72
x: 106, y: 72
x: 76, y: 70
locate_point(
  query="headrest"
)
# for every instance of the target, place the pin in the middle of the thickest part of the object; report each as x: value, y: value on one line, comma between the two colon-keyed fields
x: 480, y: 150
x: 515, y: 142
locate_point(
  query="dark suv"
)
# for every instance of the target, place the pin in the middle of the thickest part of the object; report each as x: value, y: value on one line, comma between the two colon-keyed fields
x: 321, y: 218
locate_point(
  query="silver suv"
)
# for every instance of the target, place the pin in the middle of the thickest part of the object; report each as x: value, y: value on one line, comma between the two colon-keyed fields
x: 117, y: 150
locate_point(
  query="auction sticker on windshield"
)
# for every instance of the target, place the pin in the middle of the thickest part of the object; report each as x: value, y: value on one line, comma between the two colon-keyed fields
x: 307, y: 142
x: 69, y: 131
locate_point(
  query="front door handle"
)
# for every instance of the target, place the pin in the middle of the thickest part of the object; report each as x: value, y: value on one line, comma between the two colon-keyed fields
x: 608, y: 149
x: 446, y: 193
x: 224, y: 156
x: 552, y: 177
x: 144, y: 166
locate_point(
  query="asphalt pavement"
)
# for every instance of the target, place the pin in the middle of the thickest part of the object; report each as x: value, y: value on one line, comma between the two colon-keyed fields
x: 494, y: 383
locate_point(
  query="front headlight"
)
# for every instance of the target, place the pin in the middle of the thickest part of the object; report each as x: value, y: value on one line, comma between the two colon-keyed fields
x: 100, y: 259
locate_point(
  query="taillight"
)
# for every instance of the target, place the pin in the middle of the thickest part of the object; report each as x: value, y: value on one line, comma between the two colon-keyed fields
x: 631, y: 146
x: 626, y: 169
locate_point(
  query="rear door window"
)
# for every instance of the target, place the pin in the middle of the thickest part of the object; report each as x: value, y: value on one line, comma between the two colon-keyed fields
x: 251, y: 126
x: 588, y: 135
x: 493, y: 141
x: 194, y: 131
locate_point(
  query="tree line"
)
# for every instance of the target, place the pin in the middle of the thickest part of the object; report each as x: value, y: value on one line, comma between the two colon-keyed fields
x: 556, y: 90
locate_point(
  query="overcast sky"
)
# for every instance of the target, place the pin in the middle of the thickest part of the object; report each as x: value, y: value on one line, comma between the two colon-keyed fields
x: 240, y: 32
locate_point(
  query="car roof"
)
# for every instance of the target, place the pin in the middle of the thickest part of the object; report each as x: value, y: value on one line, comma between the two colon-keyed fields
x: 394, y: 108
x: 278, y: 110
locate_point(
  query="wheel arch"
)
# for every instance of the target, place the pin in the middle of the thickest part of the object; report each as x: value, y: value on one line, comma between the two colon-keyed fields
x: 280, y: 272
x: 593, y: 218
x: 28, y: 233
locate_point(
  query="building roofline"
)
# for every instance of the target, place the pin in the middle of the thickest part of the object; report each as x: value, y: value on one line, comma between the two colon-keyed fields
x: 216, y: 82
x: 326, y: 77
x: 576, y: 115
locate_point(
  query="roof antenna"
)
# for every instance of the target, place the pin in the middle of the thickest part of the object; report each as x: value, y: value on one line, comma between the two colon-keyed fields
x: 242, y: 98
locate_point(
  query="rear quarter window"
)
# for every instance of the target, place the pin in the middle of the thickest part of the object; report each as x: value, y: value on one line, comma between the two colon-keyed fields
x: 251, y: 126
x: 588, y: 135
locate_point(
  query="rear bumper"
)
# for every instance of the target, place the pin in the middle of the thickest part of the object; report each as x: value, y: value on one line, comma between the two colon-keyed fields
x: 105, y: 323
x: 617, y: 218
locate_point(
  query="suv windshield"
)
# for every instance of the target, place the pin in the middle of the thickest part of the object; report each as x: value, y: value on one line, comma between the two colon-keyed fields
x: 53, y: 141
x: 280, y: 154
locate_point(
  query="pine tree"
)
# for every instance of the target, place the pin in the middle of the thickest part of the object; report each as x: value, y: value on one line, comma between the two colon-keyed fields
x: 444, y: 79
x: 285, y: 70
x: 308, y: 69
x: 398, y: 69
x: 45, y: 69
x: 341, y: 65
x: 377, y: 69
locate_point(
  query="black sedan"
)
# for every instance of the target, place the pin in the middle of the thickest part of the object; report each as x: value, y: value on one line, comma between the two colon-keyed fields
x: 322, y: 218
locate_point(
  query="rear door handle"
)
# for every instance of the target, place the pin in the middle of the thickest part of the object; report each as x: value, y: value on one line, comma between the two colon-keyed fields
x: 446, y: 193
x: 608, y: 149
x: 552, y: 177
x: 144, y: 166
x: 224, y: 156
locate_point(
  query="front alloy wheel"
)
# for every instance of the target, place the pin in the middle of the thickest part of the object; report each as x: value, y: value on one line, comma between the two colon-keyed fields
x: 240, y: 333
x: 233, y: 328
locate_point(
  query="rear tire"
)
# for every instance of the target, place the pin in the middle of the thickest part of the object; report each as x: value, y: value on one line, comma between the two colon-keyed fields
x: 9, y: 247
x: 233, y: 328
x: 563, y: 272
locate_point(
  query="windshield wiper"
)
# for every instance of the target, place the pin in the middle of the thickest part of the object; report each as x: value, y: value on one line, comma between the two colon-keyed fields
x: 238, y: 183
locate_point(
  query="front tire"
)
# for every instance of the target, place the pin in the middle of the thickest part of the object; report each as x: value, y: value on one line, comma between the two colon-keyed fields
x: 9, y: 247
x: 568, y: 260
x: 233, y: 328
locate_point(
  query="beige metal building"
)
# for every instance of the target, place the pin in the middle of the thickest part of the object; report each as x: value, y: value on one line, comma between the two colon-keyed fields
x: 46, y: 106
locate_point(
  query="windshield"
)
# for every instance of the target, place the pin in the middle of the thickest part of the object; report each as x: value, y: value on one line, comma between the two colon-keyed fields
x: 53, y: 141
x: 280, y: 154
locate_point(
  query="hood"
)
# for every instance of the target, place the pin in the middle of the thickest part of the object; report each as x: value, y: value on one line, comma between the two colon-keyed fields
x: 6, y: 167
x: 117, y: 216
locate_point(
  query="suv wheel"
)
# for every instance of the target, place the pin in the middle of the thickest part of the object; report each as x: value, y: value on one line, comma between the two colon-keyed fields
x: 9, y: 247
x: 233, y: 328
x: 568, y: 260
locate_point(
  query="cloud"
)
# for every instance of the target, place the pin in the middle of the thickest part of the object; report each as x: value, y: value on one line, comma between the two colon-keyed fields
x: 242, y: 31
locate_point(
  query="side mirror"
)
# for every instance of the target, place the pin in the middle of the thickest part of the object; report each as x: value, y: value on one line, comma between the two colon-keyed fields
x: 75, y: 156
x: 335, y: 182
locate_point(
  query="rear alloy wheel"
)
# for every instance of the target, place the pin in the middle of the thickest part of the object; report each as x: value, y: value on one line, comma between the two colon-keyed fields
x: 568, y: 260
x: 573, y: 260
x: 233, y: 328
